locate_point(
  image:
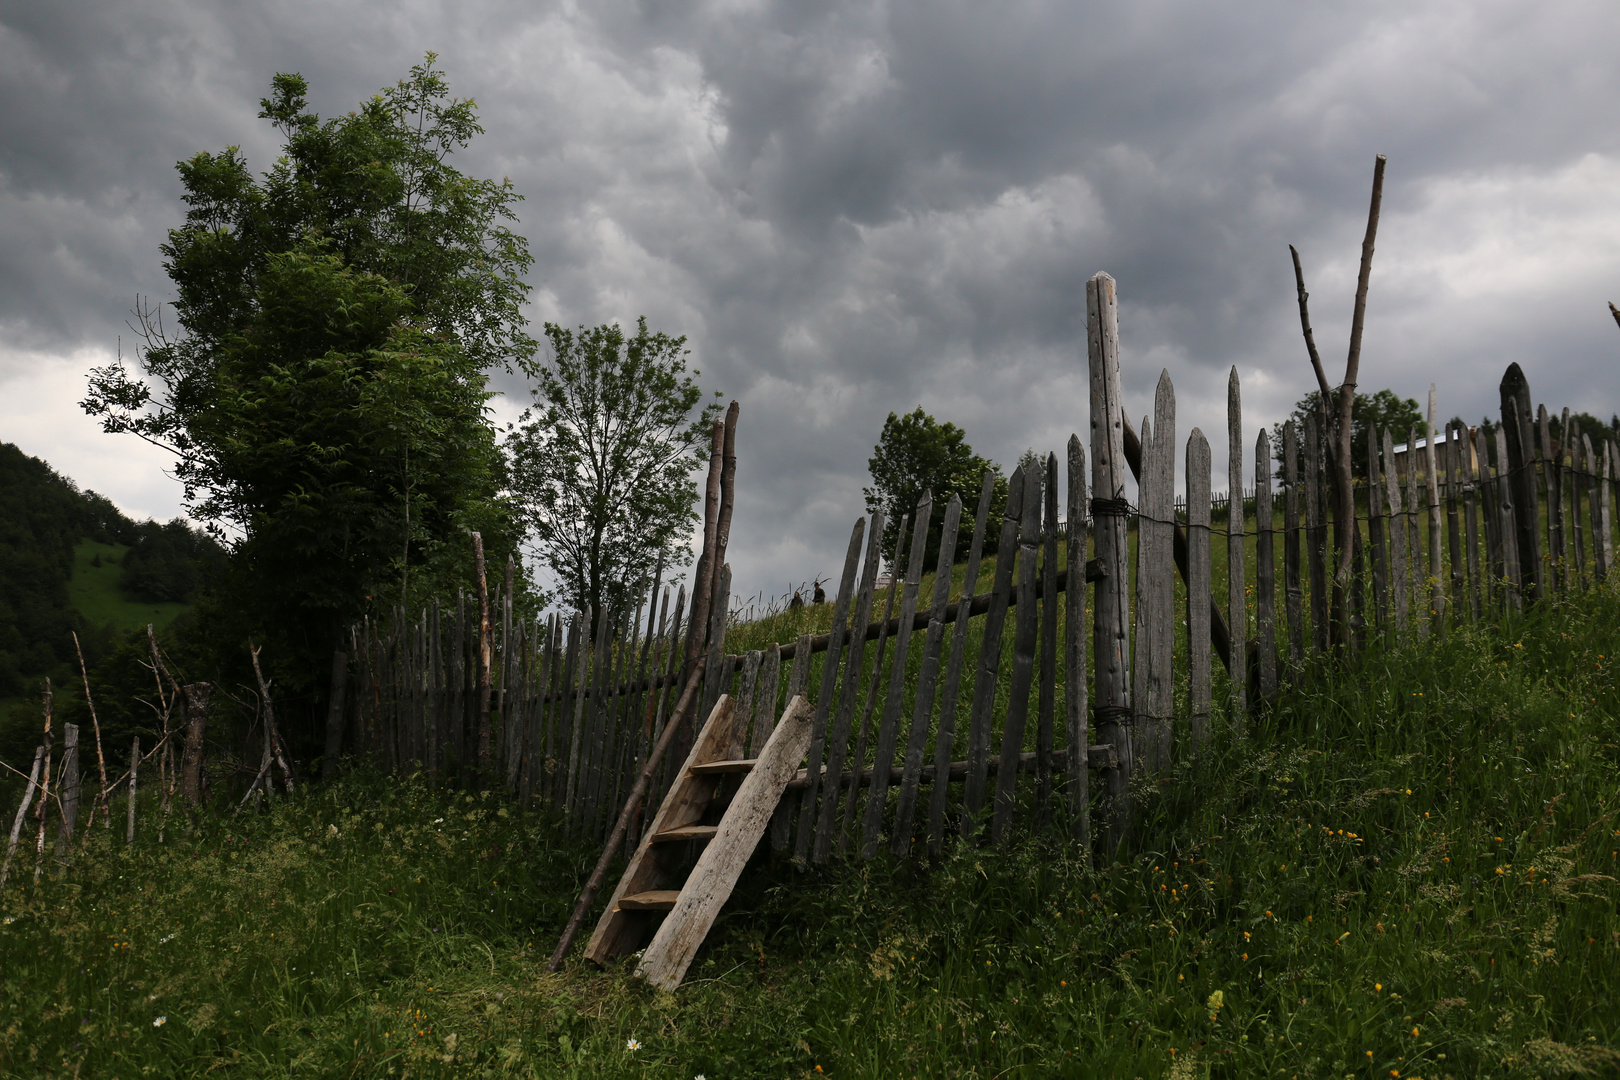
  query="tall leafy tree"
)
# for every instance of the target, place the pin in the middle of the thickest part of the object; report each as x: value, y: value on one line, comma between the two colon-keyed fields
x: 1370, y: 413
x: 324, y: 395
x: 916, y: 453
x: 602, y: 462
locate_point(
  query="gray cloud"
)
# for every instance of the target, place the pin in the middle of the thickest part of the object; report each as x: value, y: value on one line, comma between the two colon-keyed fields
x: 854, y: 208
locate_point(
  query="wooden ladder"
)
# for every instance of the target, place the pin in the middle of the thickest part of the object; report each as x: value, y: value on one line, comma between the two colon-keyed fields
x: 652, y: 884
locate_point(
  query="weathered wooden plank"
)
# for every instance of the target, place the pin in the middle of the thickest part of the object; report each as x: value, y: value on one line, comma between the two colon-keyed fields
x: 717, y: 676
x: 1513, y: 584
x: 1199, y: 694
x: 1316, y: 532
x: 1237, y: 617
x: 1025, y: 630
x: 578, y: 676
x: 787, y: 811
x: 1455, y: 441
x: 1517, y: 422
x: 838, y: 741
x: 1551, y: 461
x: 711, y: 881
x: 1415, y: 566
x: 1158, y: 520
x: 1108, y: 511
x: 829, y: 686
x: 747, y: 686
x: 1375, y: 532
x: 1605, y: 525
x: 889, y: 730
x: 1265, y: 581
x: 989, y: 665
x: 1292, y: 591
x: 1437, y: 581
x: 1577, y: 505
x: 668, y: 693
x: 944, y: 741
x: 874, y: 682
x: 1051, y: 608
x: 1399, y: 593
x: 770, y: 678
x: 1471, y: 482
x: 1077, y: 712
x: 922, y: 712
x: 1600, y: 566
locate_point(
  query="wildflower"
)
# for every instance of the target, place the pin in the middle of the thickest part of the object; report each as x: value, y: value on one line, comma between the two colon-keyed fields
x: 1414, y: 1032
x: 10, y: 919
x: 632, y: 1044
x: 1378, y: 988
x: 160, y: 1021
x: 1217, y: 1000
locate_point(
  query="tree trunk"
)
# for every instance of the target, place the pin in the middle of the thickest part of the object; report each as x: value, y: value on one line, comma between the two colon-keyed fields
x: 191, y: 764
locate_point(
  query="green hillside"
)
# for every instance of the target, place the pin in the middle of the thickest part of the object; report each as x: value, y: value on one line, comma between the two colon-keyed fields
x: 97, y: 593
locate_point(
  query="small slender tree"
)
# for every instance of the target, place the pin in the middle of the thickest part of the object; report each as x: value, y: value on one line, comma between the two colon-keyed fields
x: 917, y: 453
x: 602, y: 462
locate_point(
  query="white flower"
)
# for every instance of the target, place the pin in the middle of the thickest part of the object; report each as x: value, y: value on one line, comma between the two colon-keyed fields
x: 632, y: 1044
x: 10, y: 919
x: 700, y: 1076
x: 332, y: 830
x: 160, y: 1021
x: 438, y: 821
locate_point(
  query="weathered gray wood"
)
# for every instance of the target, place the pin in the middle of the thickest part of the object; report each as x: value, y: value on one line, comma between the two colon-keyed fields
x: 27, y: 800
x: 614, y: 762
x: 1605, y: 525
x: 579, y: 675
x: 711, y: 881
x: 922, y: 712
x: 1495, y: 575
x: 944, y: 741
x: 1459, y: 599
x: 1594, y: 488
x: 1108, y: 511
x: 874, y: 682
x: 989, y: 665
x: 667, y: 694
x: 1199, y: 694
x: 1316, y: 532
x: 1514, y: 585
x: 68, y: 787
x: 1159, y: 504
x: 1517, y: 422
x: 787, y: 812
x: 838, y: 741
x: 889, y: 730
x: 1437, y: 581
x: 1471, y: 523
x: 658, y: 867
x: 1400, y: 593
x: 134, y: 791
x: 829, y: 687
x: 1237, y: 617
x: 1375, y: 532
x: 718, y: 675
x: 1075, y: 697
x: 1265, y: 580
x: 1577, y: 505
x: 770, y: 678
x: 1025, y: 631
x: 747, y: 687
x: 1292, y: 591
x: 1551, y: 462
x: 1051, y: 608
x: 1415, y: 566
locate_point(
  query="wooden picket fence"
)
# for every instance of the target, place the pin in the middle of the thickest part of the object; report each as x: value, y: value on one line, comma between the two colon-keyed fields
x: 927, y: 718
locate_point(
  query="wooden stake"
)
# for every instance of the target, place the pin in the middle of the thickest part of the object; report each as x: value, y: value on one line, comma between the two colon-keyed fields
x: 1292, y: 591
x: 22, y: 812
x: 1265, y: 583
x: 1199, y: 695
x: 1075, y: 698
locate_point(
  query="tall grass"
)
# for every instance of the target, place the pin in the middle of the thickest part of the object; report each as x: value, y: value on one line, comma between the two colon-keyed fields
x: 1407, y: 868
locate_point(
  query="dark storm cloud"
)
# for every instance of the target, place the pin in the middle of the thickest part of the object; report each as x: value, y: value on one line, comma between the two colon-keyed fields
x: 857, y: 207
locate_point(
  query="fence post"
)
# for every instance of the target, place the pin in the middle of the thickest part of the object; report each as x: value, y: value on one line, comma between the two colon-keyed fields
x: 1265, y: 580
x: 1517, y: 423
x: 1108, y: 511
x: 1077, y: 712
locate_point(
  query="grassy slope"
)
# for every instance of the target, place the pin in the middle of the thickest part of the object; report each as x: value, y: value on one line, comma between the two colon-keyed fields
x: 1408, y: 869
x: 94, y: 591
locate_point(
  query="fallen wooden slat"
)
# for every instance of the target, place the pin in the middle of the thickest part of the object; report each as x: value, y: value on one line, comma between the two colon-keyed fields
x: 1098, y: 756
x: 730, y: 765
x: 652, y: 900
x: 684, y: 832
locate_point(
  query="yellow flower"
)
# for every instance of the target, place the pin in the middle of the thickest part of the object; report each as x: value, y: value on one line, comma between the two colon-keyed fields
x: 1217, y: 1000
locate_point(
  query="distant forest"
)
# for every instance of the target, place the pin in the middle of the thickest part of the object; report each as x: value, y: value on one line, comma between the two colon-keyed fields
x: 44, y: 517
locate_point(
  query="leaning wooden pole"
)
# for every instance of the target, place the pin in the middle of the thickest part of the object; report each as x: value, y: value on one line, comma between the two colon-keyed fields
x: 694, y: 682
x: 1109, y: 511
x: 22, y: 815
x: 101, y: 759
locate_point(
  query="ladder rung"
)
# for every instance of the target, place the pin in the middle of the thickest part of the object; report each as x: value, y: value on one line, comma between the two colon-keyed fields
x: 685, y: 832
x: 657, y: 900
x: 708, y: 768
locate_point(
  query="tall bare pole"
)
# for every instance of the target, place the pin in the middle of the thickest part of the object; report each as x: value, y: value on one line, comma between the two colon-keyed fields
x: 101, y: 760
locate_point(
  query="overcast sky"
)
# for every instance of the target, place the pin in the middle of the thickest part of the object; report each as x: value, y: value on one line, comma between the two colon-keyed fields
x: 853, y: 208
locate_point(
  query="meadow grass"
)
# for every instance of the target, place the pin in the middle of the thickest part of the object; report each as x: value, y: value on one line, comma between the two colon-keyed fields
x: 95, y: 591
x: 1405, y: 869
